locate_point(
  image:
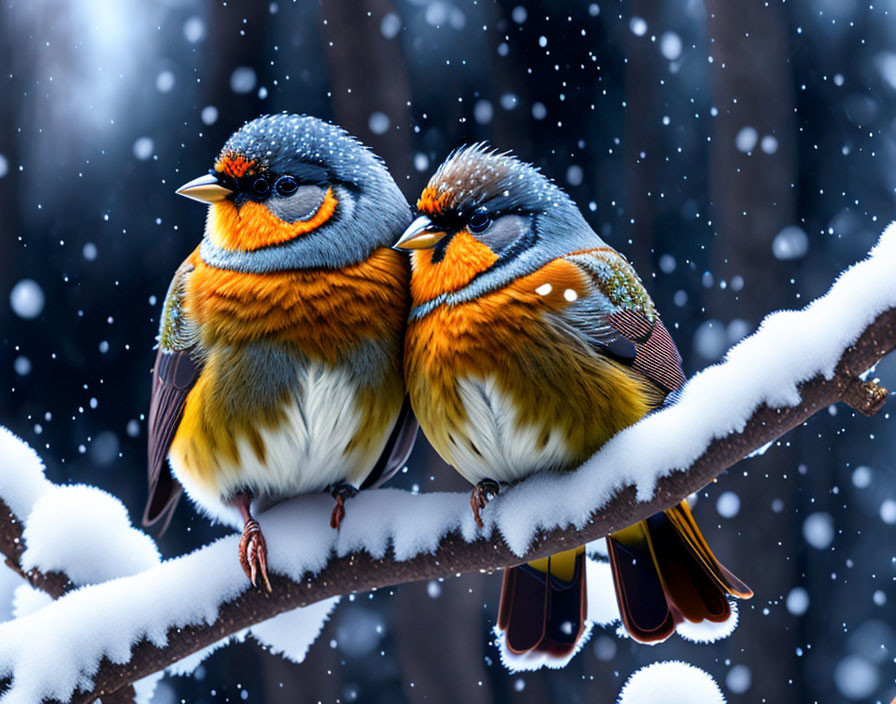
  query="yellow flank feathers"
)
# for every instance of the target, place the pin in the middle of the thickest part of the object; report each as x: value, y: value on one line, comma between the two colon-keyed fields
x: 562, y: 565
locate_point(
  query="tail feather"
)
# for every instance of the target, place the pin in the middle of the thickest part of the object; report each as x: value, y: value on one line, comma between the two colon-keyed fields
x: 543, y: 605
x: 523, y: 609
x: 687, y: 584
x: 665, y: 572
x: 684, y: 522
x: 567, y: 606
x: 639, y: 592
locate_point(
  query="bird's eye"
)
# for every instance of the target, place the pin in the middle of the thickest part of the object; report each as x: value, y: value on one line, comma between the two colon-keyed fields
x: 286, y: 185
x: 261, y: 187
x: 479, y: 222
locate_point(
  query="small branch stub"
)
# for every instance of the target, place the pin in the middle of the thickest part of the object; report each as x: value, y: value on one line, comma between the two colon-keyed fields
x: 866, y: 397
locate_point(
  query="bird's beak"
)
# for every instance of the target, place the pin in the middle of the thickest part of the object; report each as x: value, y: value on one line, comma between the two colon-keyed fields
x: 421, y: 234
x: 205, y: 189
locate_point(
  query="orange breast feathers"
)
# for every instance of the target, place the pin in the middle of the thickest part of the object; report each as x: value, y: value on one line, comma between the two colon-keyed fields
x: 551, y: 378
x: 323, y: 311
x: 252, y: 226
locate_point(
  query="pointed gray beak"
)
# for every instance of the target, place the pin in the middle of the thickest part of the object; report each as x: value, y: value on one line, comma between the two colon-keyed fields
x: 421, y: 234
x: 204, y: 189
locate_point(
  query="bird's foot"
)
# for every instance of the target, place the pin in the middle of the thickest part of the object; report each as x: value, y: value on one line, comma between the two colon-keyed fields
x: 482, y: 492
x: 341, y: 492
x: 254, y: 554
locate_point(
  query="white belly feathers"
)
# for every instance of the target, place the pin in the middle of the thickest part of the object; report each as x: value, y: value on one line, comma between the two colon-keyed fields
x: 497, y: 446
x: 306, y: 453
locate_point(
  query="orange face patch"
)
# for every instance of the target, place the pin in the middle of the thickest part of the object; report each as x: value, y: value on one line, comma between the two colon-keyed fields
x: 234, y: 165
x: 464, y: 257
x: 253, y: 226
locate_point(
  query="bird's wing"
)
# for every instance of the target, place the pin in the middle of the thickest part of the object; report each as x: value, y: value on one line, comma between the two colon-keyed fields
x: 398, y: 448
x: 618, y: 318
x: 177, y: 367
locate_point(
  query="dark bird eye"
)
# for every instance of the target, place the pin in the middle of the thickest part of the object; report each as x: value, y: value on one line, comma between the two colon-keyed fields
x: 286, y: 185
x: 261, y: 187
x: 479, y: 222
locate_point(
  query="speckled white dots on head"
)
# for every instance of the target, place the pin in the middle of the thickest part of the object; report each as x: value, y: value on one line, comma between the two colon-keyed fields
x: 544, y: 289
x: 570, y: 295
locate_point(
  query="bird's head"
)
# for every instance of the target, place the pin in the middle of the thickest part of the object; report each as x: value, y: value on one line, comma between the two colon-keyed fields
x: 292, y: 191
x: 484, y: 219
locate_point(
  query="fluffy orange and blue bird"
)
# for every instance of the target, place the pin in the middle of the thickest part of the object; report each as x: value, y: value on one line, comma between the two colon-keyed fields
x: 530, y: 343
x: 279, y: 364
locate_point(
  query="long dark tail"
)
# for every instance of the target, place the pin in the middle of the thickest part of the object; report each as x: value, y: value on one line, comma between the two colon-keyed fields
x: 665, y: 573
x: 544, y: 606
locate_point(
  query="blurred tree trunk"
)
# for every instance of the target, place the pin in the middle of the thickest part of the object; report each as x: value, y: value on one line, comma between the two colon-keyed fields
x: 439, y: 641
x: 239, y: 36
x: 752, y: 199
x: 642, y: 136
x: 751, y: 194
x: 512, y: 129
x: 368, y: 75
x: 442, y: 643
x: 317, y: 679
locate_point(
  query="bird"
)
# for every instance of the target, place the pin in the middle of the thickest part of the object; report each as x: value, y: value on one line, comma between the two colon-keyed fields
x: 530, y: 343
x: 279, y: 362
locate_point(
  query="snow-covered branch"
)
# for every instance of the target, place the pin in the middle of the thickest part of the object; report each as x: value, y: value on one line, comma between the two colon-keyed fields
x: 21, y: 484
x: 796, y: 364
x: 61, y: 538
x: 12, y: 546
x: 30, y: 494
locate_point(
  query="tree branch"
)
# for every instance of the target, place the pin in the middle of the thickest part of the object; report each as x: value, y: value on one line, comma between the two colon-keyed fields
x: 56, y: 584
x: 360, y: 572
x: 12, y: 546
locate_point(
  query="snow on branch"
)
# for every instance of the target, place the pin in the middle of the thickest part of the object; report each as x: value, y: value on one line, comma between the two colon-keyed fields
x: 53, y: 562
x: 798, y: 362
x: 22, y: 481
x: 60, y: 538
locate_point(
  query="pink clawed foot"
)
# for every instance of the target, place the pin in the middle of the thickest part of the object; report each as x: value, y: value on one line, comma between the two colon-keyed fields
x: 254, y: 554
x: 340, y: 492
x: 482, y: 492
x: 253, y: 548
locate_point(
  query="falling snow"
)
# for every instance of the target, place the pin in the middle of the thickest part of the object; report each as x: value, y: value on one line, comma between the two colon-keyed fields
x: 27, y: 299
x: 818, y: 529
x: 243, y: 80
x: 790, y: 243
